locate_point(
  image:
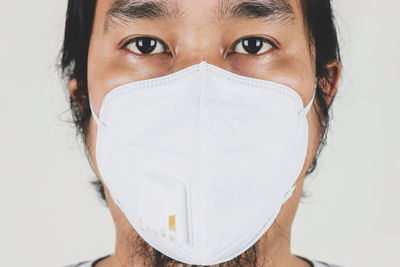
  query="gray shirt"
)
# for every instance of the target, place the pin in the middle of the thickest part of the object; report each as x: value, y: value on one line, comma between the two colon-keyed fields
x: 93, y: 262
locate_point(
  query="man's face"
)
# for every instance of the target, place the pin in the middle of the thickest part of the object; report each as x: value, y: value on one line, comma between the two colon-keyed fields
x: 135, y: 40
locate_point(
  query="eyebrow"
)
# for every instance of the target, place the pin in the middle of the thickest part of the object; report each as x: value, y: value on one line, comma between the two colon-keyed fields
x: 273, y: 11
x: 123, y: 11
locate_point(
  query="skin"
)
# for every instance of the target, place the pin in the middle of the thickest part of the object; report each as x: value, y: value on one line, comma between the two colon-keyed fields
x: 194, y: 37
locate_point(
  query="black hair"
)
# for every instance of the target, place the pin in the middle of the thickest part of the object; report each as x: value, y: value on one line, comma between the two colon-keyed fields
x: 320, y: 28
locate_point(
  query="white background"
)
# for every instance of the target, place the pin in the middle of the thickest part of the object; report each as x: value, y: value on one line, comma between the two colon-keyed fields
x: 51, y: 216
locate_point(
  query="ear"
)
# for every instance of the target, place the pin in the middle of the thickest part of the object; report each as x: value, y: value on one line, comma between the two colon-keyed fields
x: 76, y: 96
x: 330, y: 84
x: 73, y: 88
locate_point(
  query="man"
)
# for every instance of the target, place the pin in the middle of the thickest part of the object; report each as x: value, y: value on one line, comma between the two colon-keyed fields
x: 213, y: 48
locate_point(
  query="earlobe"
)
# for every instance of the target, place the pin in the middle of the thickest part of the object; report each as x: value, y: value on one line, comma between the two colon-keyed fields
x: 76, y: 96
x: 73, y: 87
x: 330, y: 83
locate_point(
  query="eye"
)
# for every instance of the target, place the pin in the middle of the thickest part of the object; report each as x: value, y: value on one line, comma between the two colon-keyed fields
x: 253, y: 45
x: 145, y: 46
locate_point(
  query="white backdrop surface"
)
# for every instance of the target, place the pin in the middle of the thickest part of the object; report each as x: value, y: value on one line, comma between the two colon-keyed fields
x: 51, y: 215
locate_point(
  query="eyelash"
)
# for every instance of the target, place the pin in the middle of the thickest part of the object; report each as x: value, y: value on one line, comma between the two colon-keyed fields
x: 230, y: 52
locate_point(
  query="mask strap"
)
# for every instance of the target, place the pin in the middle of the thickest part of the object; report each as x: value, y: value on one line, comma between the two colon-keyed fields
x: 289, y: 193
x: 308, y: 107
x: 96, y: 119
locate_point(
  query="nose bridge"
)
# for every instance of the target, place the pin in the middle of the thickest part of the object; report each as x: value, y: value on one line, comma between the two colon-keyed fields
x: 199, y: 42
x: 201, y: 49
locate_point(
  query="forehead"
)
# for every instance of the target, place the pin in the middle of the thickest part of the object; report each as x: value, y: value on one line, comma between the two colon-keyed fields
x: 208, y: 10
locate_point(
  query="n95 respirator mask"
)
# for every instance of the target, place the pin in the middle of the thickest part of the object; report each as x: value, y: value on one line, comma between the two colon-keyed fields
x: 200, y: 161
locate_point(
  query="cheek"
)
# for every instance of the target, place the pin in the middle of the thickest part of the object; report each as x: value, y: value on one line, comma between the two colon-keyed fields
x: 104, y: 75
x: 108, y: 73
x: 288, y: 68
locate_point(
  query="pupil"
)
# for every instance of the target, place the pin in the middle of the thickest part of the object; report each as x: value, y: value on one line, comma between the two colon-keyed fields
x: 252, y: 45
x: 146, y: 45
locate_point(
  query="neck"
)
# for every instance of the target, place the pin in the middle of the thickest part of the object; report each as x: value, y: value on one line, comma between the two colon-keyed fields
x: 273, y: 249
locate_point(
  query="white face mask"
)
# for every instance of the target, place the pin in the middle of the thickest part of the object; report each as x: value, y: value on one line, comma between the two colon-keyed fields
x: 200, y: 161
